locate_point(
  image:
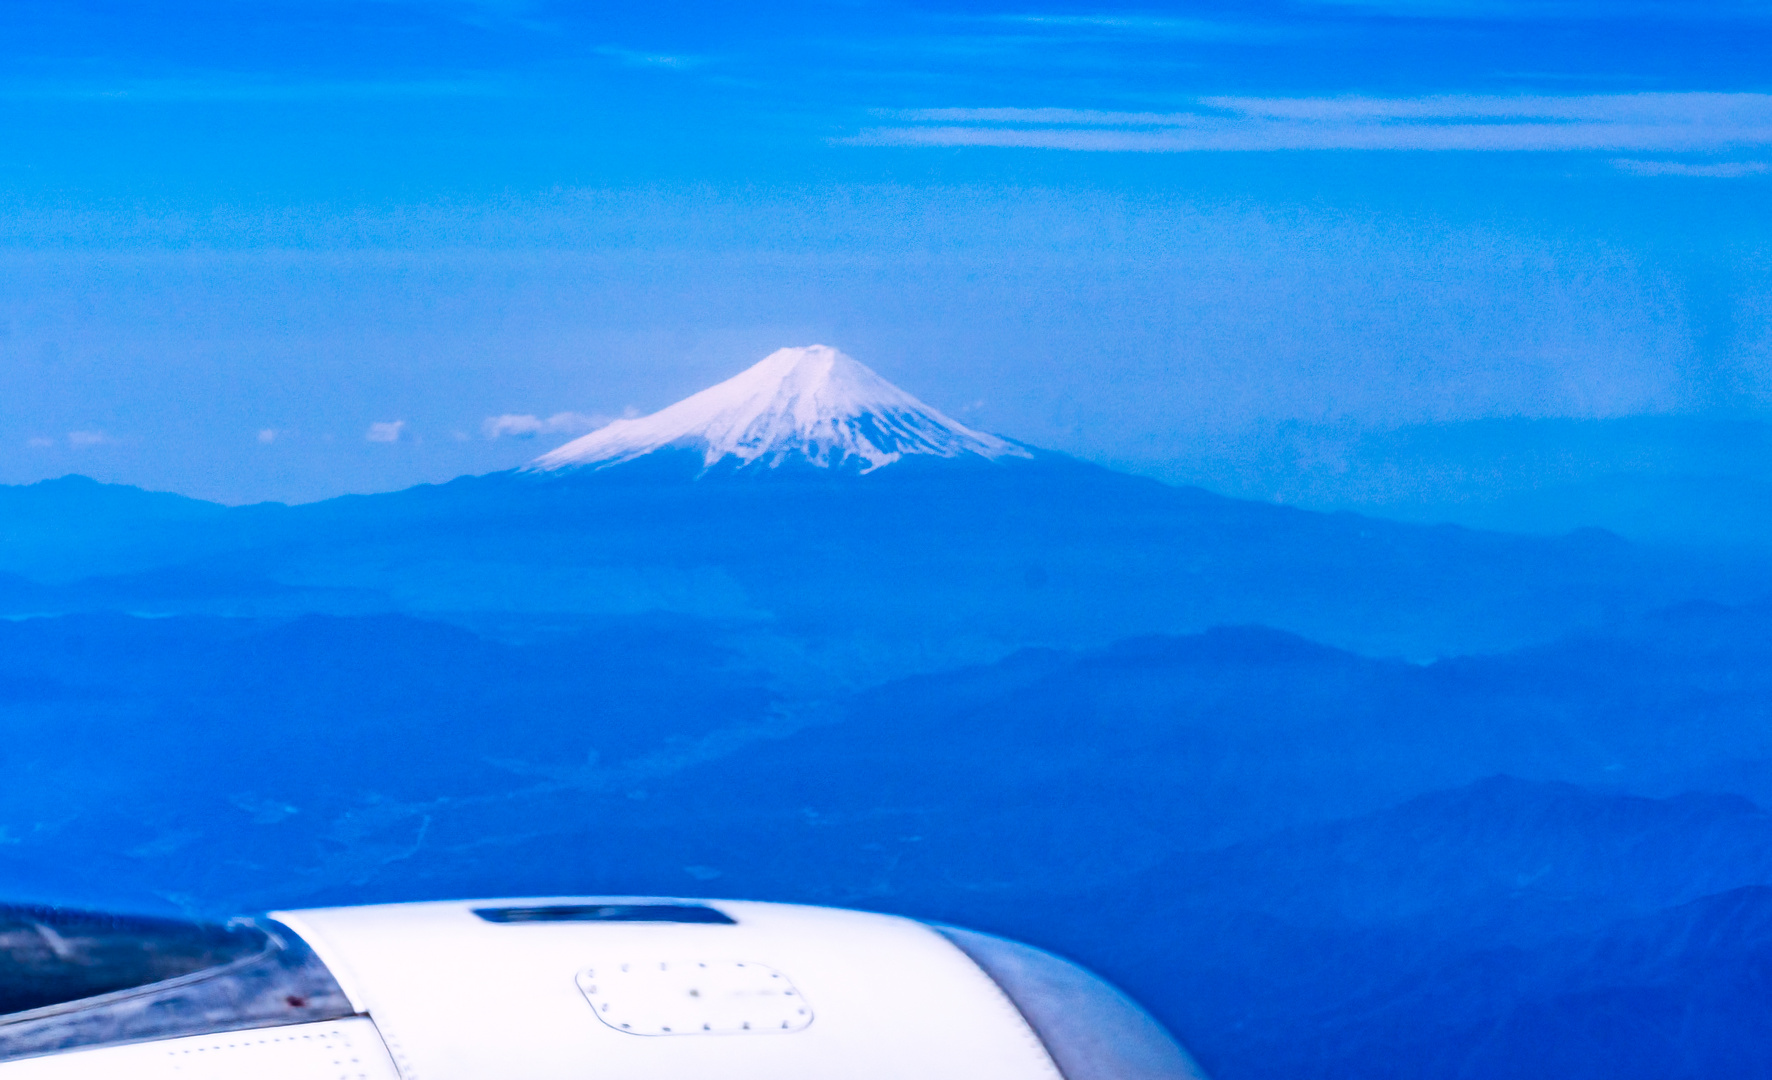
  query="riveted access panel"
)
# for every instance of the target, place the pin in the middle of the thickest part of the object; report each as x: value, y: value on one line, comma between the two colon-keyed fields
x: 694, y: 997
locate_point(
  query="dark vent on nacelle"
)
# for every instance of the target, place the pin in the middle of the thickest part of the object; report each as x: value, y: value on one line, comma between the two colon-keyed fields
x: 654, y: 913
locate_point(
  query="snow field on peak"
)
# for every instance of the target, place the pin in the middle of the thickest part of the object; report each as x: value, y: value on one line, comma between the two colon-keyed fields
x: 810, y: 403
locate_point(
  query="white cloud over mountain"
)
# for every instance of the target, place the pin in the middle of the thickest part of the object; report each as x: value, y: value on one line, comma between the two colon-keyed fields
x: 527, y: 426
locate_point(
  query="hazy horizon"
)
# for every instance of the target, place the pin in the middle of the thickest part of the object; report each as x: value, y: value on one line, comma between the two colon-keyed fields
x: 1414, y: 725
x: 297, y: 250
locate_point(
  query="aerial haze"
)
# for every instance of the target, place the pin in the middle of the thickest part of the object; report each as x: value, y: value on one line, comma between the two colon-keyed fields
x: 1168, y: 240
x: 1270, y: 501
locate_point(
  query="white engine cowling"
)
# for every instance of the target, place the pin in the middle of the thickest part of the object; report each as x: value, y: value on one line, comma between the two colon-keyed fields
x: 579, y: 988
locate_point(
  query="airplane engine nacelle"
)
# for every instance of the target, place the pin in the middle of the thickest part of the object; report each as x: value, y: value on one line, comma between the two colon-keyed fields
x: 579, y: 988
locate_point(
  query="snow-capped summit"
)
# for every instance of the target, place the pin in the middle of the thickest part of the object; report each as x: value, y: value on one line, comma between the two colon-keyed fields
x: 813, y: 404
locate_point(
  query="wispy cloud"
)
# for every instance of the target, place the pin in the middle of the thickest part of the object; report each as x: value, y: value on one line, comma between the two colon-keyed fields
x: 1670, y: 122
x: 385, y: 431
x: 79, y: 440
x: 1536, y: 10
x: 231, y: 88
x: 640, y: 58
x: 1140, y: 26
x: 525, y: 426
x: 1719, y: 170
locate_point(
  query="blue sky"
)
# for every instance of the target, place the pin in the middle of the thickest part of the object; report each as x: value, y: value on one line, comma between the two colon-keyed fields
x: 288, y: 250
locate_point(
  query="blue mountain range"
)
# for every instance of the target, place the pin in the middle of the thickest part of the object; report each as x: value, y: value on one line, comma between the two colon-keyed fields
x: 1336, y: 796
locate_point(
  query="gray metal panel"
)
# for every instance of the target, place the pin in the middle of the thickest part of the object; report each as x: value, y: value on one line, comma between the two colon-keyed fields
x: 283, y: 984
x: 1092, y: 1031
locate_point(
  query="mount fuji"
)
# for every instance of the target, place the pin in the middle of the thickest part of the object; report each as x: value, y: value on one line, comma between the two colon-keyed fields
x: 811, y: 404
x: 819, y: 516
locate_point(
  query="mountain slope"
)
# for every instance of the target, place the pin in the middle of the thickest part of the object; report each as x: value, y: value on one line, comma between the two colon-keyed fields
x: 1501, y: 929
x: 74, y: 527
